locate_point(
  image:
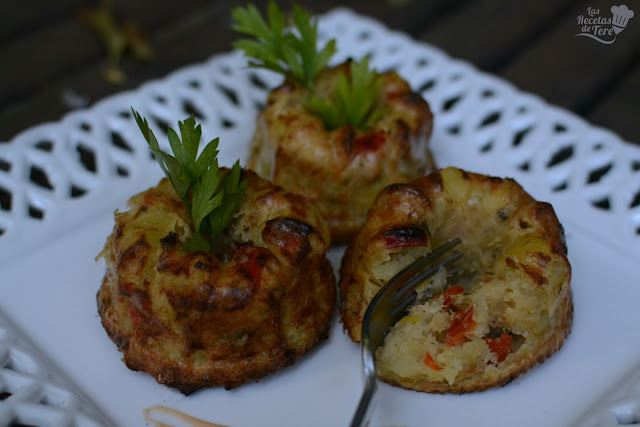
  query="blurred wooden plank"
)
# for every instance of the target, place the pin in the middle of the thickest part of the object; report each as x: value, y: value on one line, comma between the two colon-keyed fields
x: 620, y: 109
x: 571, y: 71
x: 189, y: 38
x: 410, y: 16
x: 64, y: 46
x: 22, y: 17
x: 153, y: 15
x: 489, y: 33
x: 33, y: 61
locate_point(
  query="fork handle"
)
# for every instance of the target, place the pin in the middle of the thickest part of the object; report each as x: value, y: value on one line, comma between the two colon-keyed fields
x: 363, y: 413
x: 365, y: 407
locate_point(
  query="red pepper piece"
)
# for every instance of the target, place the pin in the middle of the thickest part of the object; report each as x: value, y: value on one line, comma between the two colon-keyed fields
x: 394, y: 242
x: 291, y: 235
x: 136, y: 319
x: 428, y: 360
x: 254, y: 266
x: 412, y: 236
x: 393, y: 94
x: 371, y: 141
x: 500, y: 346
x: 461, y: 325
x: 449, y: 293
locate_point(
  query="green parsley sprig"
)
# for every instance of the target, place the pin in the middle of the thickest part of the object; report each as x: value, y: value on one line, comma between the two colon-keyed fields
x: 210, y: 197
x: 354, y: 99
x: 278, y: 49
x: 295, y: 55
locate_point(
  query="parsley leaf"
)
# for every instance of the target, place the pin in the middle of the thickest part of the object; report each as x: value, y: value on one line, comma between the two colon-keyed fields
x: 279, y: 49
x: 211, y: 198
x: 354, y: 99
x: 233, y: 190
x: 295, y: 55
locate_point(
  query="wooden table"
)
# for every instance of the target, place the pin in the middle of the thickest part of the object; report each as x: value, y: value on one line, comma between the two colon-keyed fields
x: 52, y: 62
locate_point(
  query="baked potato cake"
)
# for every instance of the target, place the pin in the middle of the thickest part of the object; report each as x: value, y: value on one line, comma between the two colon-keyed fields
x: 510, y: 309
x: 203, y: 319
x: 341, y: 170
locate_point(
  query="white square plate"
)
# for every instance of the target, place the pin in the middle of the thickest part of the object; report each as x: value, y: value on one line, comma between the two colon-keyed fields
x: 60, y: 368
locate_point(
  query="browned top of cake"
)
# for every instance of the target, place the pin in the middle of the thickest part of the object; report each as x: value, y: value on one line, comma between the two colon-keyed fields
x: 194, y: 319
x: 342, y: 170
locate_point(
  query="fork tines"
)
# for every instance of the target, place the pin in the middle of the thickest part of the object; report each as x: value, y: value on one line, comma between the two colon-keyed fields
x: 391, y: 302
x: 387, y: 307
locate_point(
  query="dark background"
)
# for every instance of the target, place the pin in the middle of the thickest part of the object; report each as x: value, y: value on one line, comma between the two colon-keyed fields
x: 49, y: 55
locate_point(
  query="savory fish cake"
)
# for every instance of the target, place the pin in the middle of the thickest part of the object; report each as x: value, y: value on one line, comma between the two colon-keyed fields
x: 203, y: 319
x: 341, y: 170
x: 509, y: 310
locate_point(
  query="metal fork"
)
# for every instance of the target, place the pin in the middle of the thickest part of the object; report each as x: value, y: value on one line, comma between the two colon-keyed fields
x: 385, y: 309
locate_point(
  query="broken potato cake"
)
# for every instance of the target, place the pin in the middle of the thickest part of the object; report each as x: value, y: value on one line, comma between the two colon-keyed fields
x: 508, y: 310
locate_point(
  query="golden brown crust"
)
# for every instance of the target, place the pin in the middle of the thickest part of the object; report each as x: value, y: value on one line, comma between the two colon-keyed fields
x: 197, y: 319
x: 341, y: 171
x: 514, y: 248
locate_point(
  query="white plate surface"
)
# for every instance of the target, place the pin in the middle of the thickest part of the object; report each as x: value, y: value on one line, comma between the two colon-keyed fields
x: 61, y: 369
